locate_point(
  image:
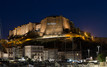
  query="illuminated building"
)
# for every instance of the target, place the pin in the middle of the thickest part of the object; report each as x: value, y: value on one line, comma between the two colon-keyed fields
x: 19, y: 52
x: 50, y: 54
x: 74, y: 55
x: 34, y: 52
x: 10, y: 52
x: 53, y: 25
x: 49, y: 27
x: 23, y: 29
x: 14, y: 52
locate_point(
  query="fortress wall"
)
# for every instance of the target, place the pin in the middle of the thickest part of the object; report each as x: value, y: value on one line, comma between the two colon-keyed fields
x: 43, y: 26
x: 38, y: 27
x: 14, y: 32
x: 10, y: 33
x: 34, y: 26
x: 27, y: 28
x: 49, y: 25
x: 54, y: 25
x: 21, y: 30
x: 18, y: 30
x: 66, y: 23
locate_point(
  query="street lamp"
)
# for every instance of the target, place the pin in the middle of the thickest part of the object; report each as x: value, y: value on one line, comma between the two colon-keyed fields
x: 98, y: 48
x: 97, y: 52
x: 88, y: 53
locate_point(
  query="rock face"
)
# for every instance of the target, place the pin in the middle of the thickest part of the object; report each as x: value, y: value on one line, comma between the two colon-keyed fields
x: 53, y: 25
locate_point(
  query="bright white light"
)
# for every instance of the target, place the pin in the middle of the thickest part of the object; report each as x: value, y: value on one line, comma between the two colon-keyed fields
x: 52, y: 36
x: 91, y: 58
x: 95, y: 61
x: 23, y: 59
x: 70, y: 60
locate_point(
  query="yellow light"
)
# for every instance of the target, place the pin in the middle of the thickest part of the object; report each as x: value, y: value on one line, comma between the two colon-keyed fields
x: 75, y: 35
x: 85, y: 34
x: 83, y: 37
x: 27, y: 39
x: 92, y: 38
x: 68, y: 38
x: 68, y: 35
x: 77, y: 54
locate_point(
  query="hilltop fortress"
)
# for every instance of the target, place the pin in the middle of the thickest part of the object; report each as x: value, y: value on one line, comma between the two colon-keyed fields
x: 52, y: 25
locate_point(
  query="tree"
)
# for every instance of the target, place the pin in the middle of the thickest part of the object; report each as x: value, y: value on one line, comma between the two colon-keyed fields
x: 102, y: 57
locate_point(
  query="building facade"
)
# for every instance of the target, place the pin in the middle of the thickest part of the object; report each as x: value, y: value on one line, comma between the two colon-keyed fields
x: 73, y: 55
x: 50, y: 54
x: 34, y: 52
x: 15, y: 52
x: 54, y: 25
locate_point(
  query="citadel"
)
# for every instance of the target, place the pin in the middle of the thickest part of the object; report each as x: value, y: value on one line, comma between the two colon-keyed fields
x: 55, y: 38
x: 52, y: 25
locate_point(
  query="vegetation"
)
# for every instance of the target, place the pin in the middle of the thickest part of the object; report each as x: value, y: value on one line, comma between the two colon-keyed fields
x: 102, y: 57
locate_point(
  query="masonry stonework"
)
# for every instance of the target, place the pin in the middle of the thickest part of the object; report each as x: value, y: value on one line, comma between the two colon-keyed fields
x: 53, y: 25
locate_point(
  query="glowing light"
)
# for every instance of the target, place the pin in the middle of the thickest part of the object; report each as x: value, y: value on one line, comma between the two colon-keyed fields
x: 85, y: 34
x: 77, y: 54
x: 27, y: 39
x: 68, y: 35
x: 83, y: 37
x: 92, y: 38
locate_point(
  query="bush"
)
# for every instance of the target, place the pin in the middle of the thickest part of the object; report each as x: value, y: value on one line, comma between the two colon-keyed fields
x: 102, y: 57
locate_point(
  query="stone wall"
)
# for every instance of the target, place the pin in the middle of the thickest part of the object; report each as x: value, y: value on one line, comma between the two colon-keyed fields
x: 48, y: 26
x: 74, y: 55
x: 54, y: 25
x: 21, y: 30
x: 66, y: 24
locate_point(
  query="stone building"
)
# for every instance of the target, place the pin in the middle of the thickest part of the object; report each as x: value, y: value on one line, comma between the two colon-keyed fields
x: 19, y: 52
x: 34, y: 52
x: 53, y: 25
x: 10, y: 52
x: 74, y: 55
x: 14, y: 52
x: 50, y: 54
x: 24, y: 29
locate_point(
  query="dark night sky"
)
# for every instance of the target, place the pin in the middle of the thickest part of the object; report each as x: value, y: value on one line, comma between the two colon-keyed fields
x: 89, y: 15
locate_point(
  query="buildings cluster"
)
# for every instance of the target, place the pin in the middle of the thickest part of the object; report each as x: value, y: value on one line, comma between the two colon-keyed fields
x: 52, y: 26
x: 39, y: 53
